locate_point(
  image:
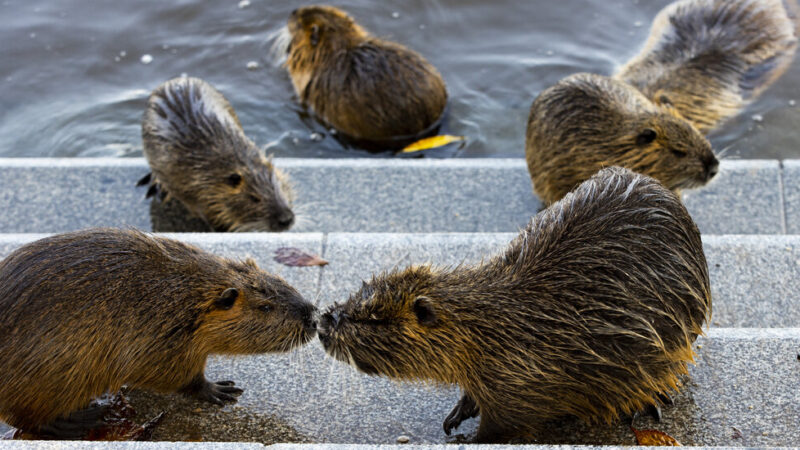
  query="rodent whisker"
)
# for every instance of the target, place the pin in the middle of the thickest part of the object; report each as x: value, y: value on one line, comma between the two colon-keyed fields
x: 281, y: 38
x: 721, y: 153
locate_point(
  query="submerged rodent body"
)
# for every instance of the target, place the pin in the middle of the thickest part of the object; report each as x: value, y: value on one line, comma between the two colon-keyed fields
x: 199, y: 154
x: 587, y: 122
x: 87, y: 312
x: 590, y: 312
x: 379, y: 94
x: 708, y: 58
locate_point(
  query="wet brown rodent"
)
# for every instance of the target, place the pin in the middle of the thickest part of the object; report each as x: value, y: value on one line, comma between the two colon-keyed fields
x: 199, y: 154
x: 372, y: 90
x: 587, y: 122
x: 87, y: 312
x: 708, y: 58
x: 590, y: 312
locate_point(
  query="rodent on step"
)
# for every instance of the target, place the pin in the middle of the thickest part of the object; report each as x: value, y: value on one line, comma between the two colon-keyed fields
x: 590, y: 312
x: 586, y: 122
x: 199, y: 154
x: 87, y: 312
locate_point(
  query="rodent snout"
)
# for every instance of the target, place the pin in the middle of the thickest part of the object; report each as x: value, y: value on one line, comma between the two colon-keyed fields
x: 284, y: 219
x: 330, y: 321
x: 712, y: 167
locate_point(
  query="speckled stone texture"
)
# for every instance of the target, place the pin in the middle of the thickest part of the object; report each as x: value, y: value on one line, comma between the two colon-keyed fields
x: 744, y: 380
x: 791, y: 191
x: 481, y: 195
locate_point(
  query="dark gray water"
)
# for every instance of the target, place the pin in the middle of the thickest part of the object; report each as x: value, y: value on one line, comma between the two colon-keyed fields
x: 72, y: 82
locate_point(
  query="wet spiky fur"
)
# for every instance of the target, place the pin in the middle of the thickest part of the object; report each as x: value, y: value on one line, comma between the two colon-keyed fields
x: 587, y: 122
x: 364, y: 87
x: 194, y: 144
x: 709, y: 58
x: 87, y: 312
x: 590, y: 312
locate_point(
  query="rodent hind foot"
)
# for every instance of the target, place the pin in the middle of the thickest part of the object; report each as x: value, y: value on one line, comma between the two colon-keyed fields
x: 466, y: 408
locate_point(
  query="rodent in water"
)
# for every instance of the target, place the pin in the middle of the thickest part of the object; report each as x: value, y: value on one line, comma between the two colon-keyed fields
x: 587, y: 122
x: 590, y: 312
x: 379, y: 94
x: 199, y: 154
x: 708, y: 58
x: 89, y: 311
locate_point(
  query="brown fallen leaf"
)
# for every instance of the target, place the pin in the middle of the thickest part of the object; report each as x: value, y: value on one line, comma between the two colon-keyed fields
x: 431, y: 142
x: 655, y: 438
x: 291, y: 256
x: 126, y: 430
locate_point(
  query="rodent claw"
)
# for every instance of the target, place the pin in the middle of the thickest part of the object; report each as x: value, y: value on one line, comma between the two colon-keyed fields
x: 666, y: 399
x: 466, y: 408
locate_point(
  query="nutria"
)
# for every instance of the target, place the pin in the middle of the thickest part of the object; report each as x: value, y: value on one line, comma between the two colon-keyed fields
x: 199, y: 154
x: 708, y: 58
x: 586, y: 122
x: 375, y: 92
x: 590, y: 312
x: 89, y: 311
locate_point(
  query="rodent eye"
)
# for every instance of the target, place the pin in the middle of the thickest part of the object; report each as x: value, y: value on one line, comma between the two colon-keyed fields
x: 265, y: 308
x: 234, y: 179
x: 647, y: 136
x: 678, y: 152
x: 314, y: 36
x: 254, y: 199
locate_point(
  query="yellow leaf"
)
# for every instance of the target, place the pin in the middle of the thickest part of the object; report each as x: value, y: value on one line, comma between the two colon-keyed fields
x: 655, y: 438
x: 431, y: 142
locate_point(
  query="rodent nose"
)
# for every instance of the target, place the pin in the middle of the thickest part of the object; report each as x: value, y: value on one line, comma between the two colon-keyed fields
x: 305, y: 312
x: 330, y: 321
x: 294, y: 12
x: 712, y: 168
x: 285, y: 219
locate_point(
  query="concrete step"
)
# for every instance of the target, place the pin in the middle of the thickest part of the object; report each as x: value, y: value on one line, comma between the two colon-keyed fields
x: 755, y: 280
x: 742, y: 392
x: 380, y: 195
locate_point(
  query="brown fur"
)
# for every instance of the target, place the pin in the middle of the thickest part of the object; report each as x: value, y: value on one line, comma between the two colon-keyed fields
x: 709, y: 58
x: 590, y: 312
x: 587, y: 122
x: 87, y: 312
x: 200, y: 155
x: 365, y: 87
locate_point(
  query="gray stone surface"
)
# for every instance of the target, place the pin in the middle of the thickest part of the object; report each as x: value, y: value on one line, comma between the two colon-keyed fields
x: 791, y: 192
x: 380, y: 195
x: 744, y: 379
x: 755, y: 280
x: 62, y: 194
x: 745, y: 198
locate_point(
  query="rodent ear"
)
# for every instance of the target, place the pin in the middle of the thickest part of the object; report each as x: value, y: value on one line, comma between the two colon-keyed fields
x: 234, y: 180
x: 251, y: 262
x: 314, y: 37
x: 647, y: 136
x: 423, y: 308
x: 227, y: 299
